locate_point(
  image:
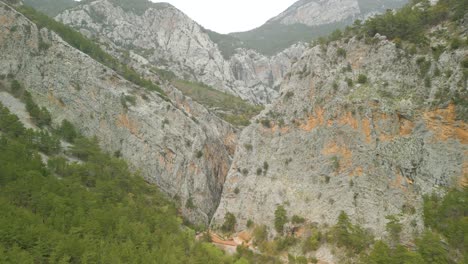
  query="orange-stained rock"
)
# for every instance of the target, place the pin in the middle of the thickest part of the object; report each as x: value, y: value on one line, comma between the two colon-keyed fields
x: 344, y: 153
x: 314, y: 120
x: 443, y: 123
x: 124, y: 121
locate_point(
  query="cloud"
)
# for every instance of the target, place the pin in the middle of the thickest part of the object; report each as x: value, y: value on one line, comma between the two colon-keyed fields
x: 225, y: 16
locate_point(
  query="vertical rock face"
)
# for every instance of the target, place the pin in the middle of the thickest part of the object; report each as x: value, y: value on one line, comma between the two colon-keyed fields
x: 179, y: 146
x: 169, y: 39
x: 262, y: 75
x: 370, y: 149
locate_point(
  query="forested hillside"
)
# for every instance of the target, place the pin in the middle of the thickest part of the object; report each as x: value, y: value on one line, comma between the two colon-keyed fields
x: 89, y: 210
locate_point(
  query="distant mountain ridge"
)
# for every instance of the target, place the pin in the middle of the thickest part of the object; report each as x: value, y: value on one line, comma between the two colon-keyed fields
x: 163, y: 37
x: 306, y: 20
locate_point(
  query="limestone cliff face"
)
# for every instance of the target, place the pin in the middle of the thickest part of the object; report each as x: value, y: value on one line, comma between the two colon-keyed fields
x: 318, y: 12
x: 179, y: 146
x: 321, y: 12
x: 166, y: 38
x: 370, y: 149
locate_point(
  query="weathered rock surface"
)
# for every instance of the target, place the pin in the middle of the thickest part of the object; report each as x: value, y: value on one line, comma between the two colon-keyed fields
x: 371, y: 149
x: 179, y: 146
x: 322, y: 12
x: 318, y: 12
x: 166, y: 38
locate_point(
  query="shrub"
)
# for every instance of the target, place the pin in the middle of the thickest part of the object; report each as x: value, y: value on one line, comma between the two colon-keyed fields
x: 341, y: 52
x: 199, y: 154
x: 67, y: 131
x: 16, y: 88
x: 394, y: 228
x: 259, y: 171
x: 229, y: 223
x: 266, y: 123
x: 260, y: 234
x: 335, y: 163
x: 349, y: 82
x: 312, y: 243
x: 362, y: 79
x: 288, y: 95
x: 245, y: 172
x: 40, y: 116
x: 455, y: 43
x: 280, y: 218
x: 350, y: 236
x: 427, y: 82
x: 165, y: 122
x: 335, y: 86
x: 464, y: 63
x: 250, y: 223
x: 236, y: 190
x: 297, y: 219
x: 189, y: 204
x: 248, y: 147
x: 424, y: 66
x: 284, y: 243
x: 397, y: 42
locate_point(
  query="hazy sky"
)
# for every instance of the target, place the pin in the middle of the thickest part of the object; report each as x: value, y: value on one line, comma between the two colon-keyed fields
x: 225, y: 16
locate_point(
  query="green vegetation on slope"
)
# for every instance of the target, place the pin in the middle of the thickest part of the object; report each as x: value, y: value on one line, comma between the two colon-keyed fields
x: 80, y: 42
x: 274, y: 37
x: 227, y: 44
x: 446, y: 220
x: 410, y: 23
x: 94, y: 211
x: 229, y: 107
x: 410, y: 29
x: 449, y: 217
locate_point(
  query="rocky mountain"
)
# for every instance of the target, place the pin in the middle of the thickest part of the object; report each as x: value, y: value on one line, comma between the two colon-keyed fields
x: 175, y: 144
x: 160, y: 36
x: 314, y: 13
x: 362, y: 126
x: 309, y: 19
x: 322, y: 12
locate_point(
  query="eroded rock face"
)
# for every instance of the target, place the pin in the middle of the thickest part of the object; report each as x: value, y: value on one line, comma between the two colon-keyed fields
x: 166, y: 38
x: 322, y: 12
x: 318, y: 12
x: 179, y: 146
x: 371, y: 149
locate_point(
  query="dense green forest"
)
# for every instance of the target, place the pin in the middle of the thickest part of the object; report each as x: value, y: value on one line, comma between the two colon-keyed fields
x: 91, y: 211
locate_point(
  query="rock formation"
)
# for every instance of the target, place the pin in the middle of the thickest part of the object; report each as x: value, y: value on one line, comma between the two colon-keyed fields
x: 166, y: 38
x: 362, y: 133
x: 177, y: 145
